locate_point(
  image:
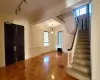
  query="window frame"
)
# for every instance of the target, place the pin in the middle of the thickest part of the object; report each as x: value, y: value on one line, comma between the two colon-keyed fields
x: 58, y: 37
x: 48, y: 39
x: 80, y: 8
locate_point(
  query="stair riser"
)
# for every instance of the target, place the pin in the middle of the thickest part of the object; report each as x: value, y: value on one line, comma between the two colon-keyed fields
x: 82, y: 46
x: 83, y: 43
x: 82, y: 62
x: 82, y: 40
x: 78, y: 75
x: 86, y: 48
x: 82, y: 51
x: 83, y: 34
x: 83, y: 31
x: 82, y: 56
x: 83, y: 69
x: 83, y: 37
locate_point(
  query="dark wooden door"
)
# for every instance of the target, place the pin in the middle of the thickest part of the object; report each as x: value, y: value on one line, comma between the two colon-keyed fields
x: 20, y: 43
x: 9, y: 32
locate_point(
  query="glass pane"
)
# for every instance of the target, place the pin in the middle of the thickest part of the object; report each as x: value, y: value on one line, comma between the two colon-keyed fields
x: 46, y: 38
x: 59, y: 38
x: 83, y: 10
x: 77, y: 12
x: 46, y: 44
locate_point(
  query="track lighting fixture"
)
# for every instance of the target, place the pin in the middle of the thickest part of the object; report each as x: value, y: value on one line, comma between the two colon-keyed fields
x: 19, y: 7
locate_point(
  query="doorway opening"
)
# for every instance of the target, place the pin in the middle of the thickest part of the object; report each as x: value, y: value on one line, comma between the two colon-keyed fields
x: 14, y: 43
x: 60, y: 40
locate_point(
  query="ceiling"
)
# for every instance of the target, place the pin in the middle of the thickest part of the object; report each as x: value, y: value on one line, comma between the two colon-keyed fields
x: 31, y: 8
x: 50, y: 23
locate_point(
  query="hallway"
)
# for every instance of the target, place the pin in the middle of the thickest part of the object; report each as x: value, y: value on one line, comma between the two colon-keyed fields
x: 50, y: 66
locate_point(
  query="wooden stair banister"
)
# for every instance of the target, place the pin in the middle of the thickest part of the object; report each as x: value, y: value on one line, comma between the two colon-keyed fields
x: 70, y: 49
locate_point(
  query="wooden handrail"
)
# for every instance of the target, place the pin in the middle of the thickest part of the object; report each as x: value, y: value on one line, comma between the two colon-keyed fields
x: 77, y: 22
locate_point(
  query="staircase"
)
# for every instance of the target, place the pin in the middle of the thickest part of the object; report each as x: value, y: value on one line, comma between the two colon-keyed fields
x: 81, y: 61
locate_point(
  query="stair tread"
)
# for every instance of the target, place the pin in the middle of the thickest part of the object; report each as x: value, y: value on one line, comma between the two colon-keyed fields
x: 83, y: 56
x: 87, y: 58
x: 78, y: 74
x: 83, y: 50
x: 81, y: 61
x: 82, y: 39
x: 83, y: 42
x: 83, y: 45
x: 79, y: 65
x: 87, y: 53
x: 83, y: 30
x: 83, y: 68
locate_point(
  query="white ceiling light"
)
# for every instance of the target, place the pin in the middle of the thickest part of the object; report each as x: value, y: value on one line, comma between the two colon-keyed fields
x: 52, y: 32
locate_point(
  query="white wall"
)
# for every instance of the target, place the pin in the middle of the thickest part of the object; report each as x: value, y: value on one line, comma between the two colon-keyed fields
x: 37, y: 40
x: 21, y: 19
x: 67, y: 38
x: 33, y: 37
x: 68, y: 29
x: 95, y: 39
x: 17, y: 20
x: 71, y: 2
x: 70, y: 22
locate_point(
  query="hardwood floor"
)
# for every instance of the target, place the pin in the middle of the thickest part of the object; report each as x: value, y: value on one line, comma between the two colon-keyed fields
x: 50, y: 66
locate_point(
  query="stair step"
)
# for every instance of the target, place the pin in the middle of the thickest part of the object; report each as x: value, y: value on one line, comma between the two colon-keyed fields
x: 81, y: 68
x: 82, y: 47
x: 83, y: 37
x: 85, y: 31
x: 83, y: 34
x: 83, y: 43
x: 82, y: 51
x: 83, y: 56
x: 78, y: 74
x: 81, y: 61
x: 82, y: 40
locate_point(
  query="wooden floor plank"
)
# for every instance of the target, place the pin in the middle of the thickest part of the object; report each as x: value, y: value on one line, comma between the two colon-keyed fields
x: 50, y: 66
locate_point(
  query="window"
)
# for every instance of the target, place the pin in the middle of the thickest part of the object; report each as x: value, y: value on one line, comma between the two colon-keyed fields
x: 60, y: 38
x: 77, y: 12
x: 46, y: 38
x: 82, y: 10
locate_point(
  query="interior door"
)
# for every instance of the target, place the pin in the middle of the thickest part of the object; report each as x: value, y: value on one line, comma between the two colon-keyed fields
x: 9, y: 31
x: 20, y: 42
